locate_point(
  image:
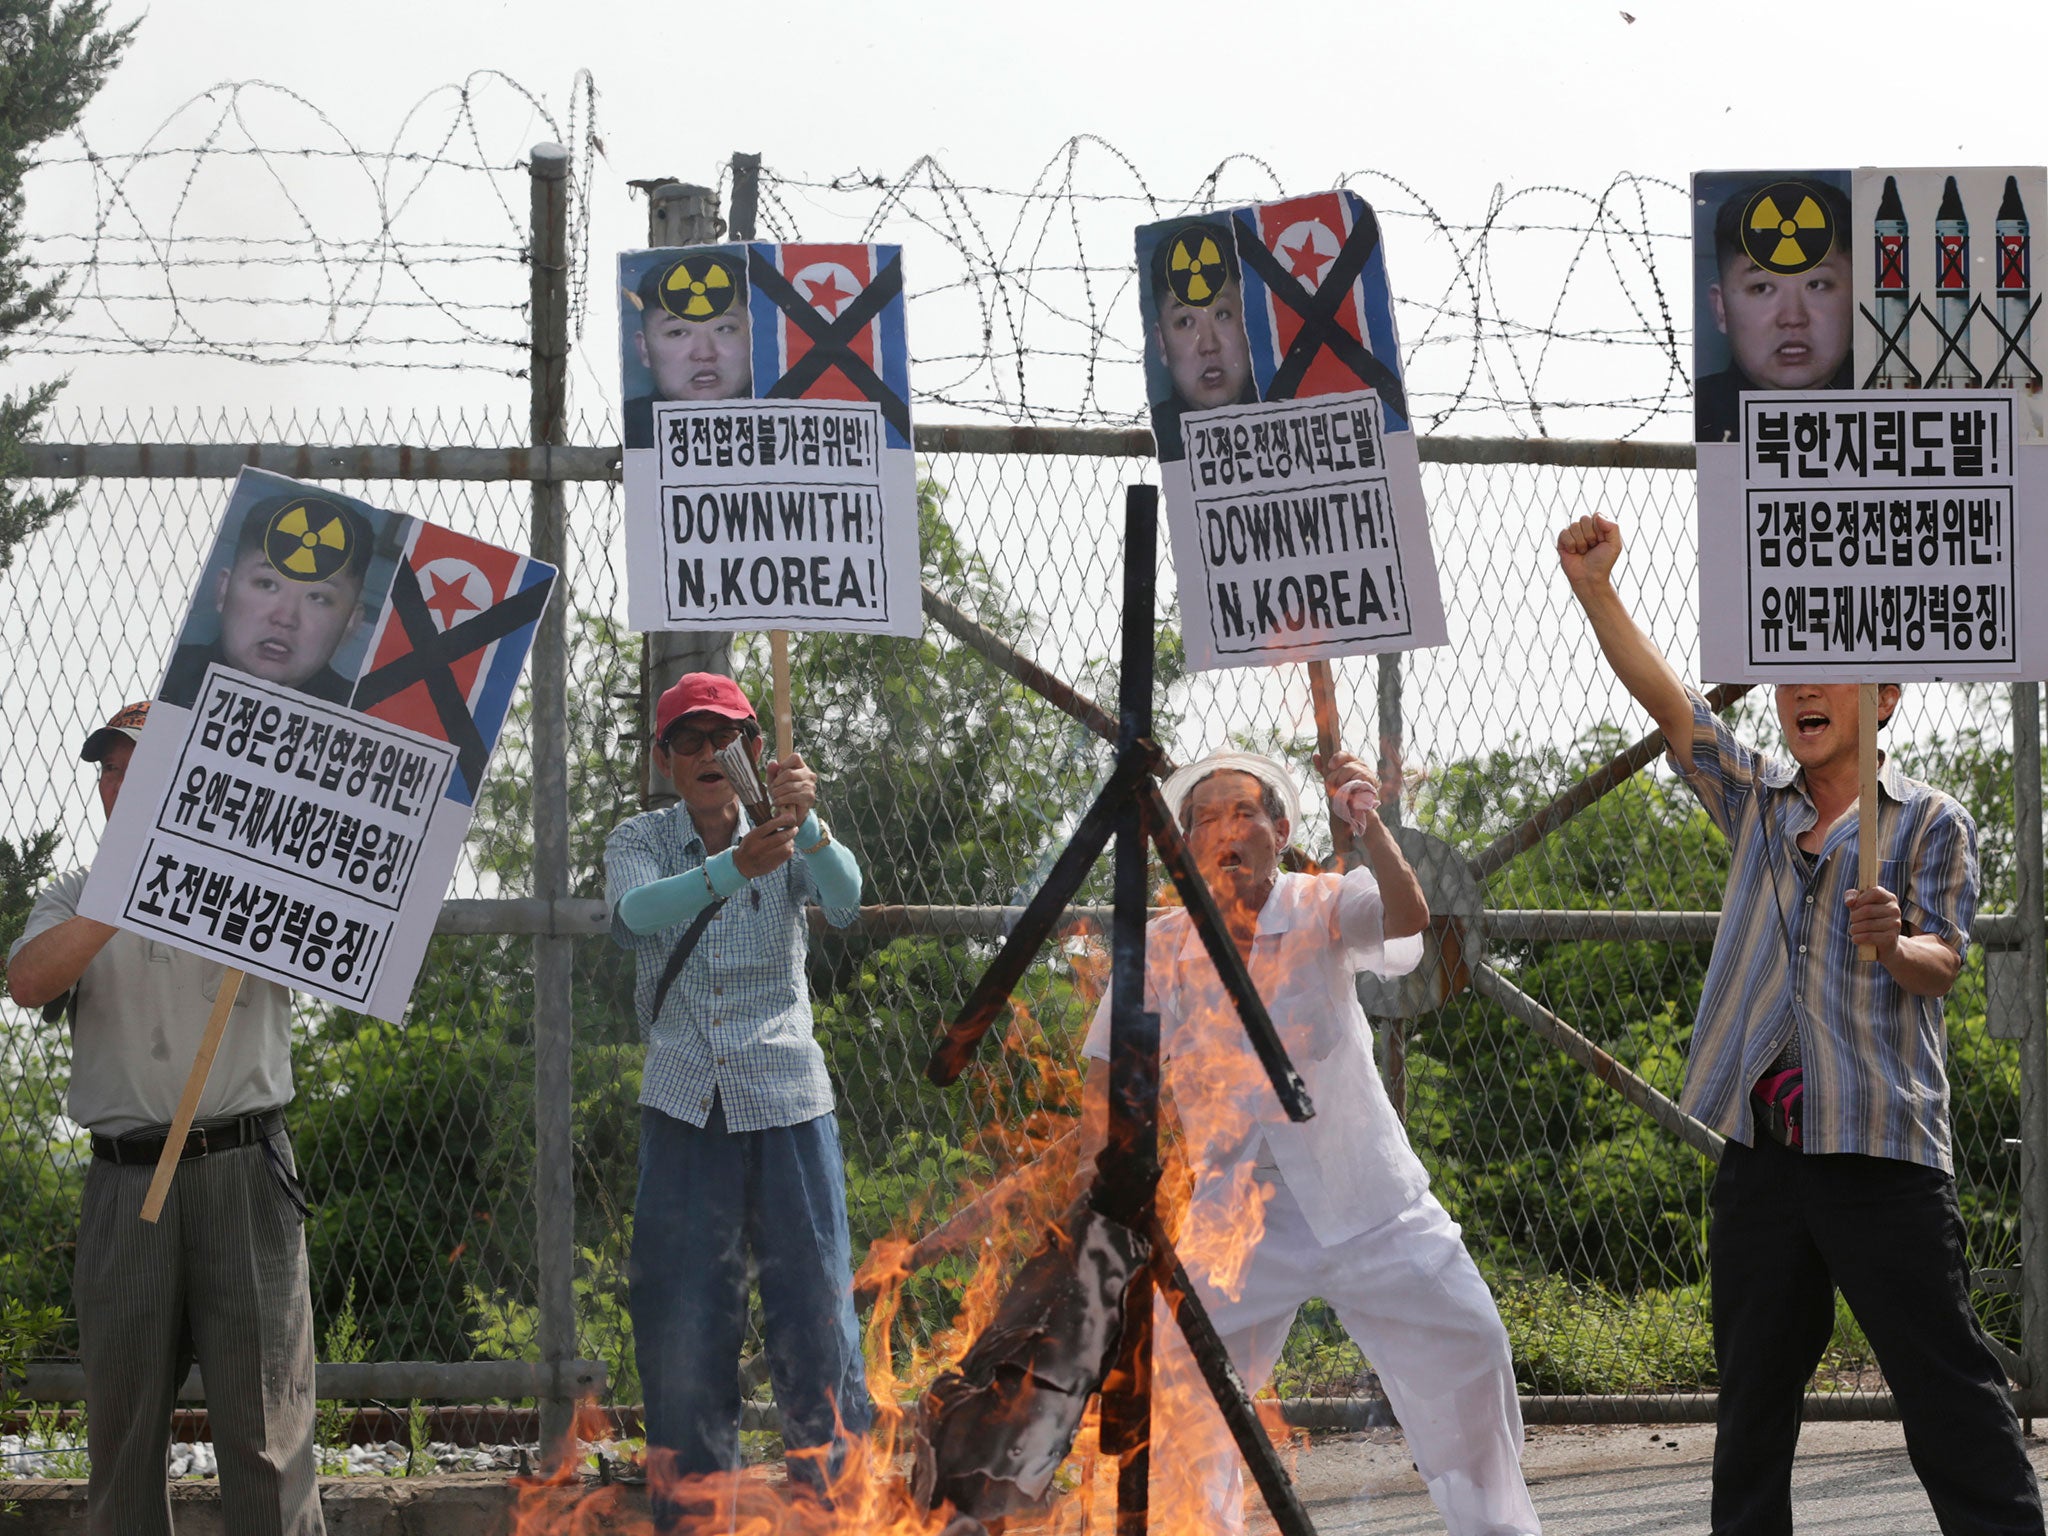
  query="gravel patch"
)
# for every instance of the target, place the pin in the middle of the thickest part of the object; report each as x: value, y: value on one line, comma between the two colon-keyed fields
x: 34, y: 1456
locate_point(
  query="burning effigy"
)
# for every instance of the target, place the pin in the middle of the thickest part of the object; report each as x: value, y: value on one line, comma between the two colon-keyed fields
x: 993, y: 1432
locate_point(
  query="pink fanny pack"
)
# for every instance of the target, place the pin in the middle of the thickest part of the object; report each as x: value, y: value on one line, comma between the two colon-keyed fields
x: 1779, y: 1098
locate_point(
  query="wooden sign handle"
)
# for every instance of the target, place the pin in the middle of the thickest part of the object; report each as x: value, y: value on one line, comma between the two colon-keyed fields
x: 778, y: 659
x: 1322, y: 689
x: 1866, y: 789
x: 188, y: 1106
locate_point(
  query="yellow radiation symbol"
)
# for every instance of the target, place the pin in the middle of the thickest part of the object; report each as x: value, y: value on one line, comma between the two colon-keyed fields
x: 1195, y: 269
x: 1787, y: 229
x: 700, y: 287
x: 309, y: 540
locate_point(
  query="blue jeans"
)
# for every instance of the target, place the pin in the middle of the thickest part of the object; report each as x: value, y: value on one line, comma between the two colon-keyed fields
x: 706, y: 1198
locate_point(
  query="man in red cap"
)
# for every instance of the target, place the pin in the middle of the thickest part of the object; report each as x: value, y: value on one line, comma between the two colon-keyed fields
x: 221, y: 1277
x: 739, y: 1146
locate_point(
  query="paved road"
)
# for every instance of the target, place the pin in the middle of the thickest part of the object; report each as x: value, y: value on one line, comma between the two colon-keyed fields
x: 1849, y: 1478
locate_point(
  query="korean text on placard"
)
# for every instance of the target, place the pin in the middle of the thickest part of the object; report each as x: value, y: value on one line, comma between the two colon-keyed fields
x: 1880, y: 529
x: 772, y: 512
x: 1295, y: 525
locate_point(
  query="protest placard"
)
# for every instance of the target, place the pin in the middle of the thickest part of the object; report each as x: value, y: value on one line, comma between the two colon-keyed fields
x: 1876, y: 534
x: 1292, y: 478
x: 1867, y: 536
x: 301, y: 791
x: 769, y: 477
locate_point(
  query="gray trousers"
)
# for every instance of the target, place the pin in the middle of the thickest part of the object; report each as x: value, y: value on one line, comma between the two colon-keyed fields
x: 221, y: 1278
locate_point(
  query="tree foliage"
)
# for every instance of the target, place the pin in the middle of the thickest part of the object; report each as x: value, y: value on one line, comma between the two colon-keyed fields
x: 1589, y: 1219
x: 53, y: 58
x: 952, y: 783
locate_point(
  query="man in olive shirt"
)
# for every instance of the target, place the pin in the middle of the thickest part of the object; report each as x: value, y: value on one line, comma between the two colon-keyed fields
x: 221, y: 1277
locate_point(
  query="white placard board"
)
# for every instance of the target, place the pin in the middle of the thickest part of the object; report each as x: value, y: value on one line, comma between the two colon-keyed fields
x: 770, y: 481
x: 1294, y: 526
x: 300, y: 794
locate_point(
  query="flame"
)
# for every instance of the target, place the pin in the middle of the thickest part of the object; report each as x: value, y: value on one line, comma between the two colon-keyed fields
x: 1212, y: 1199
x: 1209, y: 1199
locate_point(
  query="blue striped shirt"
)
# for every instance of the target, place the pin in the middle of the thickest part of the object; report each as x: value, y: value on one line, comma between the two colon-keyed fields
x: 737, y: 1020
x: 1784, y: 965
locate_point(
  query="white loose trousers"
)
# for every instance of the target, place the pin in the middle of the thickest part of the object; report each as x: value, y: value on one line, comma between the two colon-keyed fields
x: 1414, y: 1303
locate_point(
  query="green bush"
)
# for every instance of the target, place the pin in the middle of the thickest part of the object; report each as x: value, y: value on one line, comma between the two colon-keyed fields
x: 417, y: 1147
x: 1571, y: 1338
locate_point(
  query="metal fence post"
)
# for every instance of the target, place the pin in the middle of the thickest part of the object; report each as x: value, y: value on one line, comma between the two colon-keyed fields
x: 2033, y: 929
x: 746, y: 195
x: 678, y: 213
x: 1389, y: 669
x: 554, y: 1189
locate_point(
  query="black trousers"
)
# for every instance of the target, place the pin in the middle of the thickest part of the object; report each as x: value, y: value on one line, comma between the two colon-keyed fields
x: 1789, y: 1228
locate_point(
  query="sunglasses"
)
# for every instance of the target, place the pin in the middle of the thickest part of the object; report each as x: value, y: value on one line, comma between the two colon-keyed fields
x: 688, y: 741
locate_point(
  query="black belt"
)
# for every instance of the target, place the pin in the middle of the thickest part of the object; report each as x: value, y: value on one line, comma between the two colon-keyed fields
x: 215, y: 1136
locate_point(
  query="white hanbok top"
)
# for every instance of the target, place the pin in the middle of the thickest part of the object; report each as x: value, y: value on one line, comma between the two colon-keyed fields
x: 1349, y: 1167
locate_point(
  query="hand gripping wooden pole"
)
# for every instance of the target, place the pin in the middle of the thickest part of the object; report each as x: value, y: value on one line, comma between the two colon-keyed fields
x: 188, y: 1105
x: 778, y: 661
x: 1866, y: 790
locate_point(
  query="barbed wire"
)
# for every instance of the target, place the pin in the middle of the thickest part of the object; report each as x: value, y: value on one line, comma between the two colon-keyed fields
x: 1550, y: 314
x: 250, y: 227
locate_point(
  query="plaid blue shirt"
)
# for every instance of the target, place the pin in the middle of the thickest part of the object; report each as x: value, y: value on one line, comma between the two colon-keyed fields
x: 737, y: 1020
x: 1783, y: 961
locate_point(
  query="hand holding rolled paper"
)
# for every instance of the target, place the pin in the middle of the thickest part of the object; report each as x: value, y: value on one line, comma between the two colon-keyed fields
x: 737, y: 764
x: 768, y: 846
x: 1353, y: 790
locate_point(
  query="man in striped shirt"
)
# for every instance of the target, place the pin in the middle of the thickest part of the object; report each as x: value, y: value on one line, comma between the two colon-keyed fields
x: 1825, y: 1074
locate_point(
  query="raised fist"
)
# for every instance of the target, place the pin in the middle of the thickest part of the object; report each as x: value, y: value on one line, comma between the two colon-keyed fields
x: 1588, y: 548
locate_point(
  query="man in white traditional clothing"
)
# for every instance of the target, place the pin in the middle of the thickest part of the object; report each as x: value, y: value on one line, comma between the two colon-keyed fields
x: 1337, y: 1207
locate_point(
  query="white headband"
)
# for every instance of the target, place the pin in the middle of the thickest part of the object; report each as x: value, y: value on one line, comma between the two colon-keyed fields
x: 1266, y: 770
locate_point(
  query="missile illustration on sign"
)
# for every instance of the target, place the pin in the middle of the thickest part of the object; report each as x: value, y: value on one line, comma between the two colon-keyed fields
x: 1894, y: 297
x: 1952, y: 291
x: 2014, y: 287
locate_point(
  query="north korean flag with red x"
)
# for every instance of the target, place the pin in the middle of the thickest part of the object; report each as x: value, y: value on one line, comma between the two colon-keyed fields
x: 828, y: 325
x: 1318, y: 311
x: 451, y: 643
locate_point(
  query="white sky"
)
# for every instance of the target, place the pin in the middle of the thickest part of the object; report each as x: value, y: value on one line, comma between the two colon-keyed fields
x: 1454, y: 99
x: 1448, y: 94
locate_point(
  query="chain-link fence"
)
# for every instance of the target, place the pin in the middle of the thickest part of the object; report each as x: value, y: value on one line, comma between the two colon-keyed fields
x: 1533, y: 1089
x: 956, y: 785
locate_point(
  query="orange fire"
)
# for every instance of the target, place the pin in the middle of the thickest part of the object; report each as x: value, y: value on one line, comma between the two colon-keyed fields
x: 1218, y: 1219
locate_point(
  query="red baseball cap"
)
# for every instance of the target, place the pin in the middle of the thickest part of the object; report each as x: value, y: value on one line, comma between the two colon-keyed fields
x: 127, y: 722
x: 700, y: 692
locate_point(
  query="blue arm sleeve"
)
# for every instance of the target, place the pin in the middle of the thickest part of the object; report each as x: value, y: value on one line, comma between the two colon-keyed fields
x: 665, y: 903
x: 833, y: 867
